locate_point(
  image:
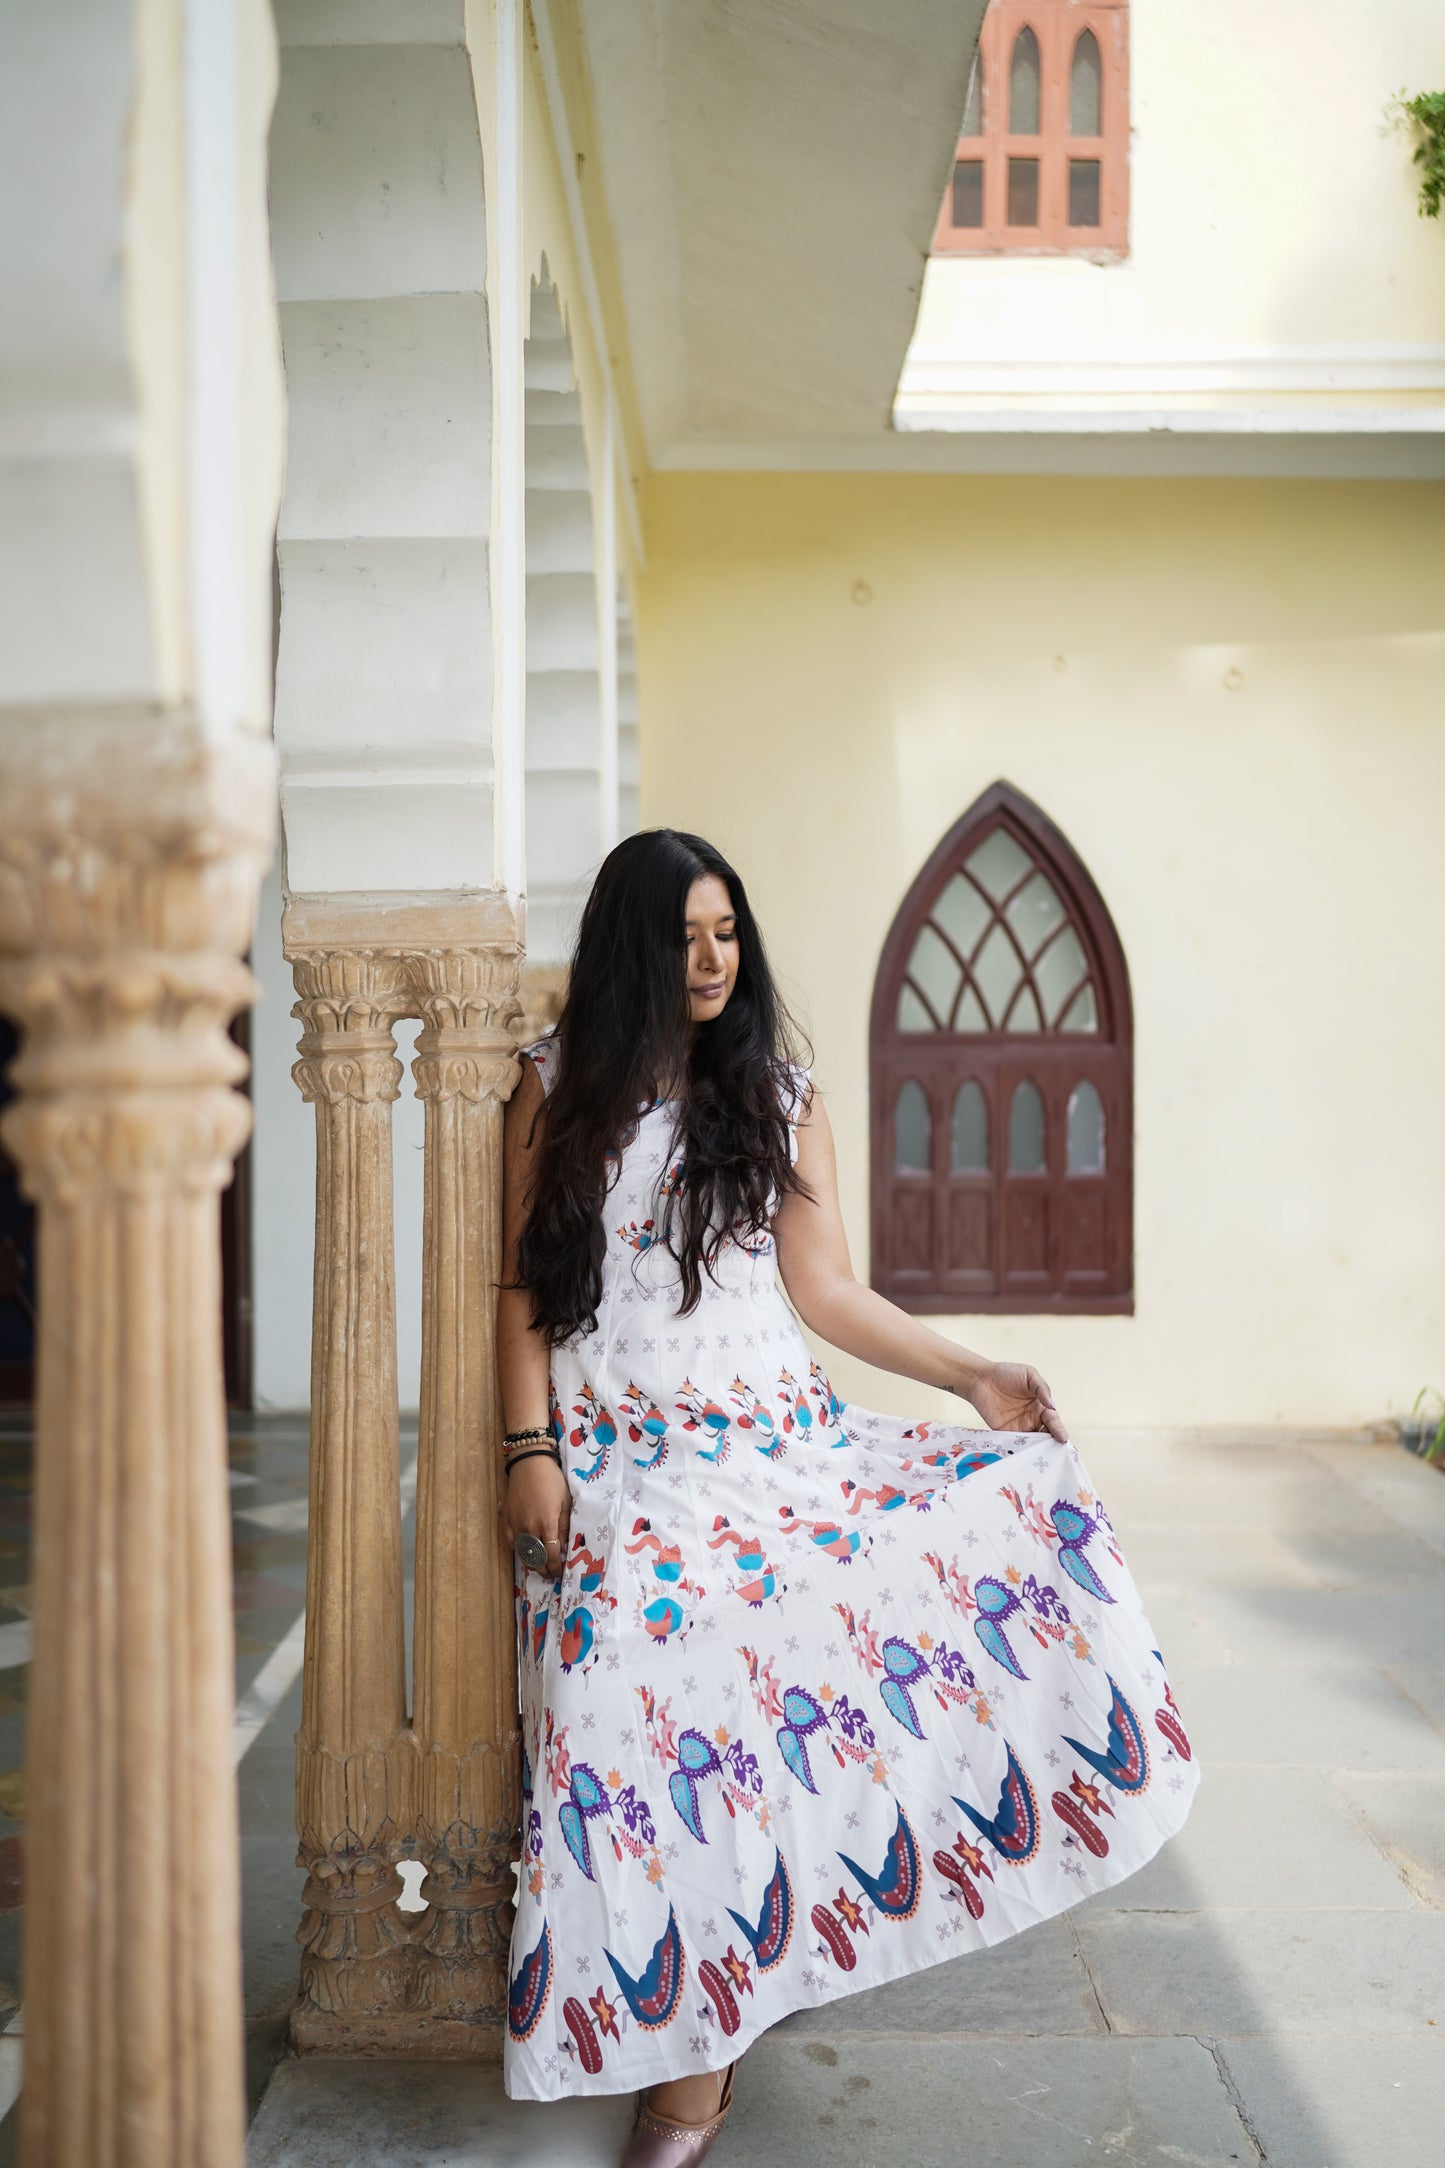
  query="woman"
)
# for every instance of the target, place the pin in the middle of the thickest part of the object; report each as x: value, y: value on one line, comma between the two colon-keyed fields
x: 811, y: 1697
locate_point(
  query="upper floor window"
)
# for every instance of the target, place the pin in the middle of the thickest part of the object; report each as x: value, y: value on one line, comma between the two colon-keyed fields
x: 1042, y: 166
x: 1001, y: 1073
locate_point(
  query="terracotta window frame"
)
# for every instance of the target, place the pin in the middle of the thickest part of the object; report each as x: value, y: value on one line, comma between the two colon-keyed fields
x: 1058, y: 25
x: 993, y: 1238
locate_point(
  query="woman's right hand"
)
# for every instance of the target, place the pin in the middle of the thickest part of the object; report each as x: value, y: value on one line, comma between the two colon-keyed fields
x: 537, y: 1502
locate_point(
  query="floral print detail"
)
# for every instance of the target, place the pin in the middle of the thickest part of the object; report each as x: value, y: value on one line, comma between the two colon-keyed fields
x: 818, y: 1697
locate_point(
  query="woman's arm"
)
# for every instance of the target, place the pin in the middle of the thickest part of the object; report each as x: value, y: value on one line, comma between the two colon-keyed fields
x: 535, y: 1498
x: 818, y: 1275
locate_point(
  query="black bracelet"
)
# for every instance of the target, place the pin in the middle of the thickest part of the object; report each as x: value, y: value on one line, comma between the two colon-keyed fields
x: 520, y: 1437
x: 535, y: 1452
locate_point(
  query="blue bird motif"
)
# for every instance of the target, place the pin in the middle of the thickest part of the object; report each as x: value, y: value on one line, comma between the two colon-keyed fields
x: 904, y: 1666
x: 1075, y: 1528
x: 803, y: 1715
x: 770, y: 1935
x: 1013, y: 1830
x: 1125, y: 1763
x: 586, y: 1797
x: 896, y: 1887
x: 530, y: 1986
x: 996, y: 1603
x: 654, y: 1995
x: 696, y: 1758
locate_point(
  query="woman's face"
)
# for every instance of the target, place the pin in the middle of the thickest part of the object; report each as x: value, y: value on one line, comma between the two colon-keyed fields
x: 712, y: 948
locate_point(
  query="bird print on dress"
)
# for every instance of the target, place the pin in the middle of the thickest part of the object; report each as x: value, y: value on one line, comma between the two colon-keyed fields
x: 578, y: 1644
x: 992, y: 1601
x: 760, y: 1678
x: 760, y: 1581
x: 754, y: 1414
x: 805, y: 1719
x: 593, y: 1436
x: 664, y: 1617
x: 901, y: 1669
x: 646, y: 1426
x: 705, y: 1415
x: 1070, y: 1525
x: 693, y: 1760
x: 1013, y: 1828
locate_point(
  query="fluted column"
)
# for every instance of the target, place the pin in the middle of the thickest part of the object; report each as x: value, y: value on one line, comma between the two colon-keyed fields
x: 465, y: 1713
x: 355, y: 1763
x: 129, y: 864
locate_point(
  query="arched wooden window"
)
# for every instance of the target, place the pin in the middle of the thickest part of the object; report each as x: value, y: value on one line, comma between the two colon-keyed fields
x: 1042, y: 166
x: 1002, y: 1087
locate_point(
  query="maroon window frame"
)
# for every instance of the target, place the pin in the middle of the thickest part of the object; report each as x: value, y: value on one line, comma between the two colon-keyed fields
x: 1032, y: 1229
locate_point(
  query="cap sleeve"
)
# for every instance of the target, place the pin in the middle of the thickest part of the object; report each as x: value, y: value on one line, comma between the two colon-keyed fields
x: 797, y: 1088
x: 542, y: 1054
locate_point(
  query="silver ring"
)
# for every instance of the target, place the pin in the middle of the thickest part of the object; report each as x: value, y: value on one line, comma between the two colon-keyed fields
x: 532, y: 1551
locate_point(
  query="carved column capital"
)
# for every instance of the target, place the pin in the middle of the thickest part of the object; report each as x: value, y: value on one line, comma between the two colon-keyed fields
x: 351, y: 1001
x: 468, y: 999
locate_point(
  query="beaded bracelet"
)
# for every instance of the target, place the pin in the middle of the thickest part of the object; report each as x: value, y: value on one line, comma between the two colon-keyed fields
x: 525, y: 1437
x: 533, y: 1452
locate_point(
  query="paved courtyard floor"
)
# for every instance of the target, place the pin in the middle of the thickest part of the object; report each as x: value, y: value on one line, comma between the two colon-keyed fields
x: 1271, y: 1989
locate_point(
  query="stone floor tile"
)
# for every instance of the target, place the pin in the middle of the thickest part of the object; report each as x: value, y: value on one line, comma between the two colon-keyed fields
x: 1181, y: 1631
x: 1342, y: 2103
x: 337, y: 2112
x: 1318, y: 1715
x: 1305, y: 1625
x: 1251, y: 1973
x: 1365, y: 1558
x: 1406, y: 1817
x: 1034, y: 1983
x: 1189, y: 1555
x: 1425, y: 1686
x: 1391, y: 1481
x: 1012, y: 2104
x: 860, y: 2104
x: 1278, y: 1838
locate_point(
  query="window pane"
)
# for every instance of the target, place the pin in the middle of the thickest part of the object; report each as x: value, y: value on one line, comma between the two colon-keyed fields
x: 973, y: 109
x: 970, y: 1130
x: 1023, y: 85
x: 1024, y: 1015
x: 1034, y: 913
x: 997, y: 972
x: 935, y: 973
x: 962, y: 913
x: 912, y: 1016
x: 968, y: 192
x: 1083, y: 192
x: 1082, y: 1013
x: 1026, y: 1130
x: 912, y: 1131
x: 1023, y: 192
x: 1058, y: 971
x: 998, y: 863
x: 1086, y: 1130
x: 1086, y: 89
x: 970, y: 1014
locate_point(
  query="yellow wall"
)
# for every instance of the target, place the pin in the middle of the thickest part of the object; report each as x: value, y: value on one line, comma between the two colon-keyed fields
x: 1228, y: 695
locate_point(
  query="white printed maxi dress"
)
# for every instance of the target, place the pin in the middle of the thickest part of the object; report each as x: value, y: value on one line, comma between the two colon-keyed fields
x: 820, y: 1697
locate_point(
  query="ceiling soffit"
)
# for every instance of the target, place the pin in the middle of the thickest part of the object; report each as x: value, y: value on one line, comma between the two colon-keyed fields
x: 772, y: 172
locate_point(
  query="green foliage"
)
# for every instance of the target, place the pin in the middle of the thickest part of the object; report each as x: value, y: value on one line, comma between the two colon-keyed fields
x: 1425, y: 117
x: 1436, y: 1448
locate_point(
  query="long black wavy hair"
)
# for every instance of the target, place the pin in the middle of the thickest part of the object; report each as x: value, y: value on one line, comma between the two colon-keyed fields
x: 623, y: 1039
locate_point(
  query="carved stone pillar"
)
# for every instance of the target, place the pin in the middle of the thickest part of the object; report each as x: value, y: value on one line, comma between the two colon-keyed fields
x: 465, y: 1715
x: 355, y: 1761
x: 130, y: 858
